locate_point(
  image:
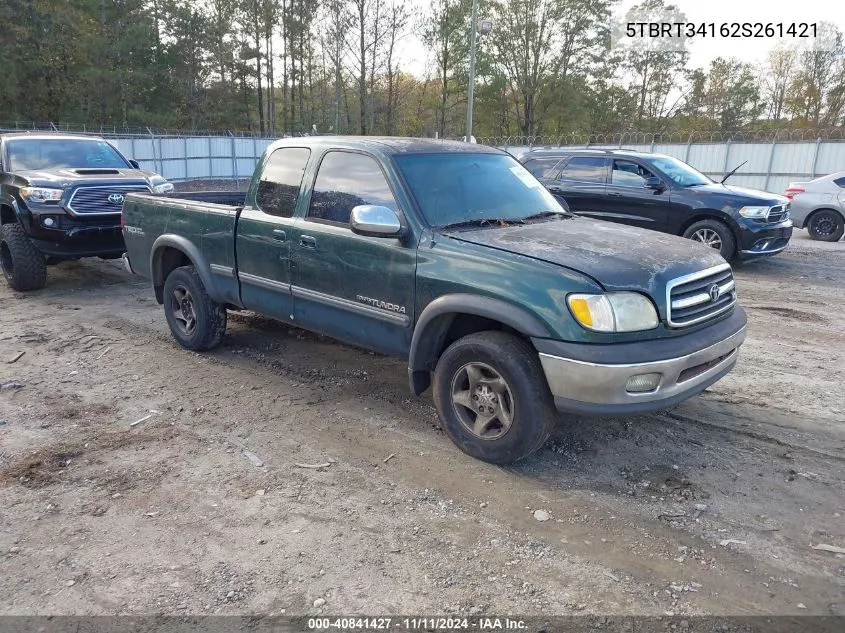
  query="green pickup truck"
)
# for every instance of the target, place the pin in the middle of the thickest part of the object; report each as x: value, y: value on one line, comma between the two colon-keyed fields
x: 455, y: 258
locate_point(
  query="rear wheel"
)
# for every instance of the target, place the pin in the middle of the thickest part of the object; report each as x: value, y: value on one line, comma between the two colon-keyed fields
x: 24, y: 266
x: 826, y: 226
x: 715, y: 234
x: 492, y: 397
x: 196, y: 321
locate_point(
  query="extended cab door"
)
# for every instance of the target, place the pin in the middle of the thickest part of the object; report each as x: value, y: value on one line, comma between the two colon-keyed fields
x: 264, y: 234
x: 354, y: 288
x: 630, y: 202
x: 581, y: 183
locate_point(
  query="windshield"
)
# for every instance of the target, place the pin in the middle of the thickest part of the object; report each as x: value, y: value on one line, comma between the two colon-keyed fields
x: 464, y: 187
x: 679, y: 172
x: 56, y: 153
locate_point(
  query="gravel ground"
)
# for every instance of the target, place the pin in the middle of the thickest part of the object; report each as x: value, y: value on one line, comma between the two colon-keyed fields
x: 130, y: 480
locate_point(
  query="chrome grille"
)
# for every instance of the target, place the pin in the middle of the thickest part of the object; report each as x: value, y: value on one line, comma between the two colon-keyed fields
x: 690, y: 299
x: 778, y: 213
x: 95, y: 200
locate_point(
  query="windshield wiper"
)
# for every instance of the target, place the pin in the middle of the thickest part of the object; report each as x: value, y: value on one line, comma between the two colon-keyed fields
x: 483, y: 222
x: 547, y: 214
x: 732, y: 172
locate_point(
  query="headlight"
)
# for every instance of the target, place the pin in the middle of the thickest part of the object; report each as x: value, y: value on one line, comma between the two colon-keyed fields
x: 41, y: 194
x: 755, y: 213
x: 613, y: 312
x: 163, y: 188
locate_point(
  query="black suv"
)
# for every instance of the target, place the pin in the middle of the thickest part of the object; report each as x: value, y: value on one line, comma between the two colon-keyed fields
x: 61, y: 198
x: 665, y: 194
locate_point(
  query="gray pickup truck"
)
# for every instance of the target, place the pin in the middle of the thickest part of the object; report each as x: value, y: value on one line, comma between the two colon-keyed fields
x: 455, y: 258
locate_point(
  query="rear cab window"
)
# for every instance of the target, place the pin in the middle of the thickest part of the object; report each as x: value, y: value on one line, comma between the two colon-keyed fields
x: 344, y: 181
x: 586, y: 169
x: 281, y: 180
x: 542, y: 167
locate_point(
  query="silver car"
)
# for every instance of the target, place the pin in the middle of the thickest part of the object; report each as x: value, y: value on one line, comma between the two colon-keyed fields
x: 819, y: 206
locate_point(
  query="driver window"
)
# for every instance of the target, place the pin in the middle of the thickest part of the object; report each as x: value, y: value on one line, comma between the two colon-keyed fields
x: 344, y: 181
x: 629, y: 174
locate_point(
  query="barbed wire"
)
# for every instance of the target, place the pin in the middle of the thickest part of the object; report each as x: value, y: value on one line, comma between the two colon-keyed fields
x: 137, y: 131
x: 647, y: 138
x: 547, y: 140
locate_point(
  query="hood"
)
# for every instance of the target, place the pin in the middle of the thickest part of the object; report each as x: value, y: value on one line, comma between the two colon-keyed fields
x: 741, y: 195
x: 618, y: 257
x: 66, y: 177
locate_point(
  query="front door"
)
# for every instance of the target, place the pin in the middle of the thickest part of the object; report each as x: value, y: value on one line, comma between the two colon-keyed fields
x: 264, y: 235
x: 354, y: 288
x: 630, y: 202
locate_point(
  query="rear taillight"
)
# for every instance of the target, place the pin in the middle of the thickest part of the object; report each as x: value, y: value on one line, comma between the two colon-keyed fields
x: 791, y: 192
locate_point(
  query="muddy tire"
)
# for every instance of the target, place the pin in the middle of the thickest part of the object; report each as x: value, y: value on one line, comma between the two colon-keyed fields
x: 826, y: 226
x: 24, y: 266
x: 195, y: 319
x: 492, y: 397
x: 714, y: 234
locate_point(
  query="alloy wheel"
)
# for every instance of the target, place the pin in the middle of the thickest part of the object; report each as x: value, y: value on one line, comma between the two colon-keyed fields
x: 482, y: 400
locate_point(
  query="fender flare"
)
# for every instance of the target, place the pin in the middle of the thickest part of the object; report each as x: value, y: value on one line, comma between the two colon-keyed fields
x: 436, y: 318
x: 12, y: 204
x: 192, y: 252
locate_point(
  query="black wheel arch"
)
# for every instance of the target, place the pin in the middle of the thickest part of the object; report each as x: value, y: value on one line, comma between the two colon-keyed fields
x: 711, y: 214
x: 451, y: 316
x: 8, y: 212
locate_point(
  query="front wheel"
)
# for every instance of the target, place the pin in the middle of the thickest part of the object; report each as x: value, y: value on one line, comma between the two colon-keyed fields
x: 196, y: 321
x: 715, y: 234
x: 826, y: 226
x: 24, y: 266
x: 492, y: 397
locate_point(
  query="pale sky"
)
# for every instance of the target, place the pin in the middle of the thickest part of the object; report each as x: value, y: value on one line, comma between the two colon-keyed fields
x: 702, y: 52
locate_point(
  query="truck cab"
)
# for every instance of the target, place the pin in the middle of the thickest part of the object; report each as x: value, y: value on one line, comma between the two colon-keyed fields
x: 453, y: 257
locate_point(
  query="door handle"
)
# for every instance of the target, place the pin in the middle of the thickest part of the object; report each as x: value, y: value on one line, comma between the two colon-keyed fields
x: 279, y: 235
x: 614, y: 195
x: 306, y: 241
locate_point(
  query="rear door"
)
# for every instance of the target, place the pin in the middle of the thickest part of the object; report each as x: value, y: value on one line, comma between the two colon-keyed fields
x: 354, y: 288
x: 264, y: 235
x: 543, y: 168
x: 581, y: 183
x: 628, y: 200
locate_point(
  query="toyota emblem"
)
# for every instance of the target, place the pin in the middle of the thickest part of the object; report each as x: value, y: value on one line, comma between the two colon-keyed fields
x: 116, y: 198
x: 715, y: 292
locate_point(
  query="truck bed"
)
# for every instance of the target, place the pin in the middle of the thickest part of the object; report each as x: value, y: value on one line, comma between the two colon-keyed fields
x: 200, y: 224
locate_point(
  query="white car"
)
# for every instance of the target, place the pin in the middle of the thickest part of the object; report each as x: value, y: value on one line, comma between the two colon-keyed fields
x: 819, y: 206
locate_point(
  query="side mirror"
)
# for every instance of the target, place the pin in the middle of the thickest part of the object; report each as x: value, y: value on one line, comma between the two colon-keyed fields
x: 654, y: 183
x: 375, y: 221
x: 135, y: 164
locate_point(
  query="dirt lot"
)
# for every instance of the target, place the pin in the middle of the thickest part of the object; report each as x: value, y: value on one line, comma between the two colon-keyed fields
x: 711, y: 508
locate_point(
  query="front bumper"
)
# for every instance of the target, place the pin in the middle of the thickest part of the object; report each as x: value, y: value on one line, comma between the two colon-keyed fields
x: 762, y: 241
x: 61, y: 235
x: 600, y: 387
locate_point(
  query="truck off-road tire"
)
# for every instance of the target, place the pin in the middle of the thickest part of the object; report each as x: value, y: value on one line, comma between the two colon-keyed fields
x: 714, y: 234
x: 24, y: 267
x: 826, y: 226
x: 195, y: 319
x: 492, y: 397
